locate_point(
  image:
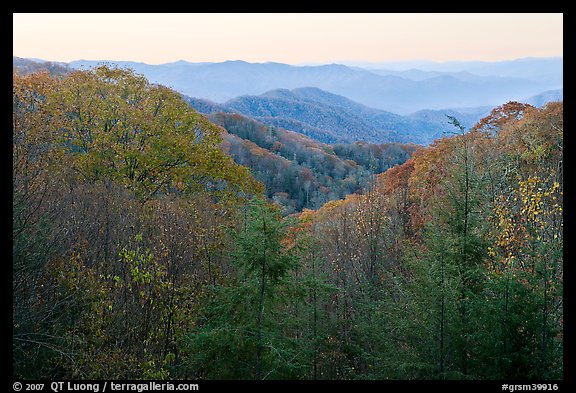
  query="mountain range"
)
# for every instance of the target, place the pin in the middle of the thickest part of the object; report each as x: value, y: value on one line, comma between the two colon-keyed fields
x: 308, y: 145
x: 335, y: 103
x: 470, y: 84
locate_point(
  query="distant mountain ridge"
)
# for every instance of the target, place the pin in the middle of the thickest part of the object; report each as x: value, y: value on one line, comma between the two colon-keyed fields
x: 528, y: 67
x: 330, y: 118
x: 393, y: 92
x: 541, y: 99
x: 27, y: 66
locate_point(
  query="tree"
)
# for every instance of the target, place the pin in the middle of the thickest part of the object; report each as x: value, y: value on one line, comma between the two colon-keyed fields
x: 525, y: 270
x: 147, y: 137
x: 242, y: 320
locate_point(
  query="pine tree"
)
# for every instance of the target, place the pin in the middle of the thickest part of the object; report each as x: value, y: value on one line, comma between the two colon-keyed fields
x: 240, y: 321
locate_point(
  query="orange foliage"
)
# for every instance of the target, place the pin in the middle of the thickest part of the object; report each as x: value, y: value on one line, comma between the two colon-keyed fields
x: 501, y: 115
x: 395, y: 177
x: 431, y: 169
x: 537, y: 136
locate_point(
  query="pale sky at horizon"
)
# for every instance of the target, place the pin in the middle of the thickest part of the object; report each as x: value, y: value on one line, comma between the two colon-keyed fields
x: 287, y: 37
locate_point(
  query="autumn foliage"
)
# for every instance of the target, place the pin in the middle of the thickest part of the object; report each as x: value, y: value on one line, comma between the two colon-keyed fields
x: 121, y: 201
x: 142, y: 250
x: 460, y: 248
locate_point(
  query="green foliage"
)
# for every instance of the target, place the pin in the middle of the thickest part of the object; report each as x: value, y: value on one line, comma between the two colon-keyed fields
x: 259, y: 251
x: 118, y: 126
x: 470, y: 286
x: 242, y: 320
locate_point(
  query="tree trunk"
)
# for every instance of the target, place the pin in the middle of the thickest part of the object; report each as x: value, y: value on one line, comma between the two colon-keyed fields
x: 261, y: 306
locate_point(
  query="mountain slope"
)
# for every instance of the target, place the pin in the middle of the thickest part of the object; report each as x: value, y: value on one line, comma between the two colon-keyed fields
x: 299, y: 172
x: 346, y: 124
x: 543, y: 98
x: 330, y: 118
x: 27, y: 66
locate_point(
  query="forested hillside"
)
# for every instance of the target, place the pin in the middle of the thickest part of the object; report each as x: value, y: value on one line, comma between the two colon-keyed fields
x: 142, y: 250
x: 298, y: 172
x: 330, y: 118
x: 122, y: 201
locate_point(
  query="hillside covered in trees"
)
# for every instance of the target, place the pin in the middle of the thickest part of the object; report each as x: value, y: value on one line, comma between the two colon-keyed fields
x: 298, y: 172
x: 331, y: 118
x: 142, y: 250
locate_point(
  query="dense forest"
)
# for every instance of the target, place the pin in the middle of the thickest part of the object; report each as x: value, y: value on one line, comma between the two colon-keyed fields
x: 298, y: 172
x: 142, y: 250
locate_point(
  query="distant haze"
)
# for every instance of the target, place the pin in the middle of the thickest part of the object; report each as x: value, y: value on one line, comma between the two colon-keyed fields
x: 288, y: 38
x: 478, y: 84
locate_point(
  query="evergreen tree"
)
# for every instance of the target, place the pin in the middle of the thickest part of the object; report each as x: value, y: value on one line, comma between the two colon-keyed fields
x: 241, y: 321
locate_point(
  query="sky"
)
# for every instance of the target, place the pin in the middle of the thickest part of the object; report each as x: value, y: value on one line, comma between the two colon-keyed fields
x: 292, y: 38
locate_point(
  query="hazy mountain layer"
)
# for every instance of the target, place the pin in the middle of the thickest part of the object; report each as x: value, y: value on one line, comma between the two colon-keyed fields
x: 335, y: 118
x: 469, y: 85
